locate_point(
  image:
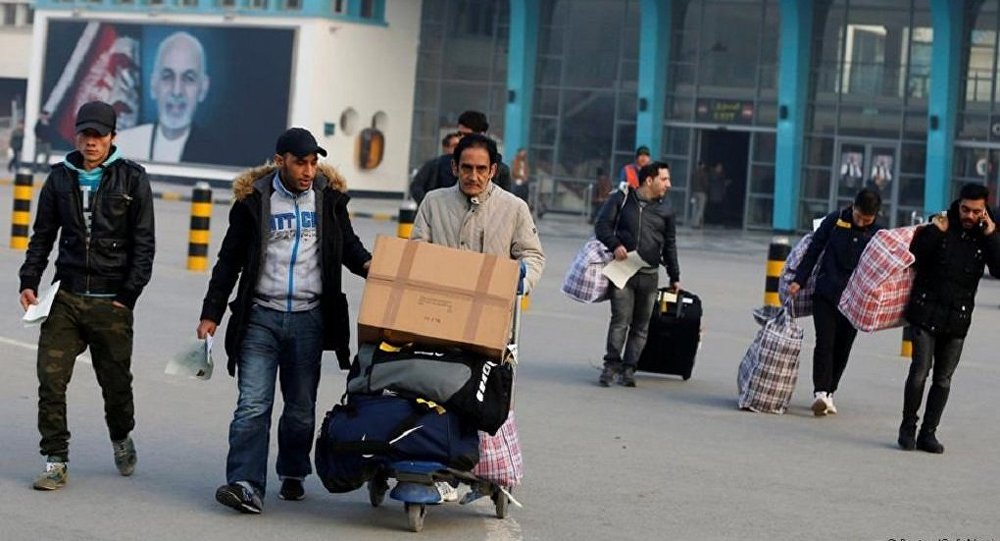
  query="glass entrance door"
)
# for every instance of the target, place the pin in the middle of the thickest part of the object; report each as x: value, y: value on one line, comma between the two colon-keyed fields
x: 866, y: 164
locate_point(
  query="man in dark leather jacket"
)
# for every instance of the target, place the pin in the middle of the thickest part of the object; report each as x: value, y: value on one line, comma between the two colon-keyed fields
x: 951, y: 254
x: 100, y: 206
x: 289, y: 234
x: 840, y: 239
x: 637, y: 220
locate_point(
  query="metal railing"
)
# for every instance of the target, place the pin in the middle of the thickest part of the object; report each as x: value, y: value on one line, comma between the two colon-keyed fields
x: 561, y: 195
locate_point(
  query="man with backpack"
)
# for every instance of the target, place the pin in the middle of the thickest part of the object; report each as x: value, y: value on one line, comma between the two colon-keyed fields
x: 639, y: 220
x: 840, y: 240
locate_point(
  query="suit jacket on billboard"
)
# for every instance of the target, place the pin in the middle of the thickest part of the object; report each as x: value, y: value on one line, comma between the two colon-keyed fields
x: 202, y: 146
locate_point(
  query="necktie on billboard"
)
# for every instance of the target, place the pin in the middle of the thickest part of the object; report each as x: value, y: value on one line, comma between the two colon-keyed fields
x: 104, y: 66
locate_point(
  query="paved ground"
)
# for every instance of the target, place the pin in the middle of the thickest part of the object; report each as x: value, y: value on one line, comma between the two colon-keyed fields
x: 669, y: 459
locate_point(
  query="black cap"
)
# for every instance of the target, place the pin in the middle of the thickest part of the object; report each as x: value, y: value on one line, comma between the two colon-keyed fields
x: 97, y: 116
x: 642, y: 151
x: 298, y: 142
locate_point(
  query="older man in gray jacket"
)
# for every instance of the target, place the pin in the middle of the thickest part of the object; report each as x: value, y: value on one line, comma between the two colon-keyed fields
x: 479, y: 216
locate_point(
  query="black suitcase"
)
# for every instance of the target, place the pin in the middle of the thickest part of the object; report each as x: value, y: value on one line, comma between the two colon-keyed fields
x: 674, y: 335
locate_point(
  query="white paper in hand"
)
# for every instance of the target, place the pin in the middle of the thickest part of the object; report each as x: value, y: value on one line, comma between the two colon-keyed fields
x: 620, y: 271
x: 36, y: 314
x: 195, y: 361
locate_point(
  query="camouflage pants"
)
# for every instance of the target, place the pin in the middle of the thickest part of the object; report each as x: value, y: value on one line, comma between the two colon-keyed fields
x: 75, y: 323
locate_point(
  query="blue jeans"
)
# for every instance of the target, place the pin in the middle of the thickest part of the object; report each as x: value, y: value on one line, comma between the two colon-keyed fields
x: 631, y: 308
x: 293, y: 343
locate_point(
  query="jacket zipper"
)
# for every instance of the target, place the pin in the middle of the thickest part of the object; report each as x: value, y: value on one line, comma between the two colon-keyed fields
x: 638, y: 229
x: 295, y: 253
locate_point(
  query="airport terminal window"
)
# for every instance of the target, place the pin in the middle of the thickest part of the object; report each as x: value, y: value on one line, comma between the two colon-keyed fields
x: 724, y: 49
x: 458, y: 70
x: 979, y: 110
x: 584, y: 120
x: 9, y: 14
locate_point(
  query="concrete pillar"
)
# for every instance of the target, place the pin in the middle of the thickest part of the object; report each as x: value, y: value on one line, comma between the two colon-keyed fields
x: 793, y: 92
x: 655, y: 19
x: 946, y: 60
x: 522, y: 53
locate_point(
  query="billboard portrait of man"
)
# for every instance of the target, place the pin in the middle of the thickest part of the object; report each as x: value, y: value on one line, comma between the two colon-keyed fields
x: 178, y: 84
x: 181, y: 92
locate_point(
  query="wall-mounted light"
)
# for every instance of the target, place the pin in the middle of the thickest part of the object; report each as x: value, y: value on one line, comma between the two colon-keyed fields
x: 643, y: 104
x: 783, y: 112
x: 934, y: 122
x: 511, y: 96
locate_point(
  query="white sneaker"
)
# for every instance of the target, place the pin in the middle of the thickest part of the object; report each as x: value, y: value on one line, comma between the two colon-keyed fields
x: 830, y: 408
x: 821, y: 405
x: 448, y: 492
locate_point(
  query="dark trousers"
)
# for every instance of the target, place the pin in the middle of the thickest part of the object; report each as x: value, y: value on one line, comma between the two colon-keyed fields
x: 76, y: 322
x: 834, y: 339
x: 940, y: 353
x: 631, y: 308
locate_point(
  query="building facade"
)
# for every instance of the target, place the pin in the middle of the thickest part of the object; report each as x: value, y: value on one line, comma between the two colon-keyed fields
x: 789, y: 106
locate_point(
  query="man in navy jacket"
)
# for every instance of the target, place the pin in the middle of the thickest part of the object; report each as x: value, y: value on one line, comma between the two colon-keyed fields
x: 841, y: 239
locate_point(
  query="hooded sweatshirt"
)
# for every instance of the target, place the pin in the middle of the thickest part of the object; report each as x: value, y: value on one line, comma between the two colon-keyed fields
x: 290, y: 279
x: 90, y: 181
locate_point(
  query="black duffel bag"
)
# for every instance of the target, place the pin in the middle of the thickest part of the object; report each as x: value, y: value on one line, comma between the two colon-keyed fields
x: 476, y: 387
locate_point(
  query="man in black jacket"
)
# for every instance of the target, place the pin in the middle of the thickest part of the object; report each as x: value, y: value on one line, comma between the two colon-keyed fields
x: 289, y: 233
x: 841, y: 239
x: 100, y: 206
x: 950, y: 257
x: 637, y: 220
x: 437, y: 172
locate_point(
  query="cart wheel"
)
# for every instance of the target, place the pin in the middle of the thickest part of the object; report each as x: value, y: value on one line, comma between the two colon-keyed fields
x: 502, y: 504
x: 415, y: 513
x: 377, y: 487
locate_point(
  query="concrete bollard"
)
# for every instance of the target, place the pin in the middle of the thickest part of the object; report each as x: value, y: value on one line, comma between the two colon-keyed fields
x: 407, y: 213
x: 906, y: 349
x: 777, y: 253
x: 201, y: 215
x: 20, y: 222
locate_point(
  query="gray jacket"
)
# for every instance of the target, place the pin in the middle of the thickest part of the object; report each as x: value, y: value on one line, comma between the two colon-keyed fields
x: 500, y: 224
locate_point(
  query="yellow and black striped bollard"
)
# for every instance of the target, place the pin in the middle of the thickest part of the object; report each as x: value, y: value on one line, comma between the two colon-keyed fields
x: 777, y: 253
x: 201, y: 215
x: 21, y: 218
x: 407, y: 214
x: 906, y: 349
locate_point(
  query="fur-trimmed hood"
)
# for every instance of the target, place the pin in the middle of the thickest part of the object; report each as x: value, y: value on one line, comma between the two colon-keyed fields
x: 243, y: 184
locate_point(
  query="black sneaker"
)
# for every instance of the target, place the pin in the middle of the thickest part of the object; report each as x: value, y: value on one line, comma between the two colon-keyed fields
x: 240, y: 498
x: 125, y: 458
x: 628, y: 376
x: 907, y: 437
x: 928, y: 442
x: 292, y: 490
x: 608, y: 374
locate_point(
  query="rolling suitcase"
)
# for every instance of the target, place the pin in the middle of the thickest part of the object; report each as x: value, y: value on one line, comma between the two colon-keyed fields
x: 674, y: 334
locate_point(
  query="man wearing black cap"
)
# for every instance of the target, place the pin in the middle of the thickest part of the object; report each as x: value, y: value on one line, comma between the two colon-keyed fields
x: 100, y: 206
x: 289, y: 233
x: 630, y: 171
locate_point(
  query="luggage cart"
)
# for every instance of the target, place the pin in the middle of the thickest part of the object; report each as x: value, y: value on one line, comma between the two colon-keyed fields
x: 416, y: 481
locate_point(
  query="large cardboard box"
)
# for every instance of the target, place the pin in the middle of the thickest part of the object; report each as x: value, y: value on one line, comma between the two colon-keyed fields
x: 422, y: 292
